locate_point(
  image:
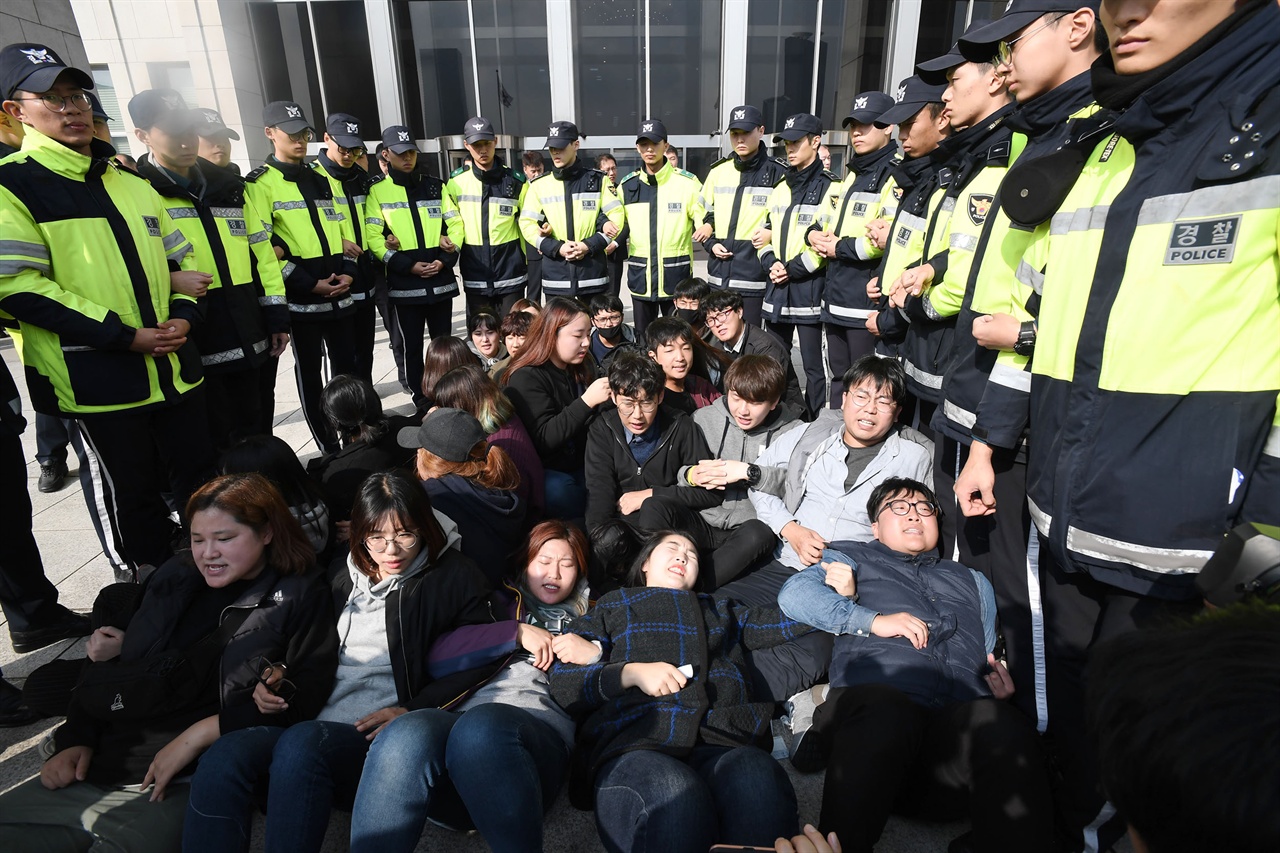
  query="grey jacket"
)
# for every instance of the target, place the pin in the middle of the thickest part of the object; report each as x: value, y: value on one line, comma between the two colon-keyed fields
x: 728, y: 441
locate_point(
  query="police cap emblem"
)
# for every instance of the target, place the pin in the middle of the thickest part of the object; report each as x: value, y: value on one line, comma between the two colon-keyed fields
x: 38, y: 57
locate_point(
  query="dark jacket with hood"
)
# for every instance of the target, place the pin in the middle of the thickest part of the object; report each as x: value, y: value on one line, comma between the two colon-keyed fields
x: 490, y: 521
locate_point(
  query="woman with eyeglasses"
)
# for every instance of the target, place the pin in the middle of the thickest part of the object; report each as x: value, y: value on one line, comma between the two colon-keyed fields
x: 916, y: 700
x: 307, y: 230
x: 402, y: 585
x: 244, y: 599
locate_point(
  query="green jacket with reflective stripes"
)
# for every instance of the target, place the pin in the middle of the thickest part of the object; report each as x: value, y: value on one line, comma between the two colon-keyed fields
x: 661, y: 211
x: 492, y: 251
x: 417, y: 210
x: 86, y: 249
x: 575, y: 202
x: 796, y: 206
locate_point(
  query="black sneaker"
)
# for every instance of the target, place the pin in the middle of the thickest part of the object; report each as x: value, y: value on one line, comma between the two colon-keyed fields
x: 66, y: 626
x: 12, y: 711
x: 52, y: 476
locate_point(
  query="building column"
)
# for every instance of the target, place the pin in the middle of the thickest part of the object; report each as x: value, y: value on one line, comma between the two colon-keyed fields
x: 560, y: 58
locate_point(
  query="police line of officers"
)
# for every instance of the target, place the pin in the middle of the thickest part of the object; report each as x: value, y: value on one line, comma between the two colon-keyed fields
x: 1087, y: 314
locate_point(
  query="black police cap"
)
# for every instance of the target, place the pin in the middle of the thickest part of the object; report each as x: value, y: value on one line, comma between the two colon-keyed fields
x: 652, y: 130
x: 209, y: 123
x: 745, y: 117
x: 912, y: 96
x: 561, y: 133
x: 35, y: 68
x: 398, y: 139
x: 867, y: 107
x: 344, y: 129
x: 478, y: 128
x: 286, y: 115
x: 978, y: 43
x: 162, y: 108
x: 799, y: 126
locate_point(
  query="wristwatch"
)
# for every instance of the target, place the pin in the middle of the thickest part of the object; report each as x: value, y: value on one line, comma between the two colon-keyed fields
x: 753, y: 475
x: 1026, y: 339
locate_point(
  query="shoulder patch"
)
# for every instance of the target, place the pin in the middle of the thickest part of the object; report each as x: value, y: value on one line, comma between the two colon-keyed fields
x: 458, y: 171
x: 831, y: 176
x: 629, y: 176
x: 540, y: 177
x: 687, y: 174
x: 257, y: 173
x: 373, y: 179
x: 722, y: 161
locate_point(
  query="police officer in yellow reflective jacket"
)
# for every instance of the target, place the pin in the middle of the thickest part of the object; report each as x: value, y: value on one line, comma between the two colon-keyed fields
x: 306, y: 226
x: 489, y: 196
x: 662, y: 207
x: 414, y: 207
x: 793, y: 300
x: 86, y: 250
x: 241, y: 331
x: 580, y: 204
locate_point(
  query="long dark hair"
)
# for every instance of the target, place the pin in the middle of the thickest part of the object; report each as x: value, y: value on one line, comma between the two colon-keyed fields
x: 354, y: 410
x: 396, y: 494
x: 635, y: 577
x: 472, y: 390
x: 444, y: 354
x: 541, y: 340
x: 271, y: 457
x: 252, y: 501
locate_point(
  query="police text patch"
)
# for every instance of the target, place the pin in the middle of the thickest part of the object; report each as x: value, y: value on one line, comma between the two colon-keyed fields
x: 859, y: 209
x: 903, y: 237
x: 675, y: 207
x: 506, y: 210
x: 153, y: 225
x: 979, y: 205
x: 1203, y: 241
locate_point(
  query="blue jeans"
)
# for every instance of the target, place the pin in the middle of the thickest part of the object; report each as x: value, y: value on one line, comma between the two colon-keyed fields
x: 805, y: 597
x: 227, y: 781
x: 316, y: 764
x: 496, y: 767
x: 650, y: 801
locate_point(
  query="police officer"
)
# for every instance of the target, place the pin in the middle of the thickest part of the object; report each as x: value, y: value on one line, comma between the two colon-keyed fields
x: 735, y: 196
x: 84, y: 269
x: 306, y: 226
x: 215, y: 139
x: 532, y: 166
x: 1152, y: 387
x: 793, y: 298
x: 414, y: 207
x: 608, y: 164
x: 241, y: 331
x: 343, y: 146
x: 570, y: 200
x: 489, y: 197
x: 661, y: 207
x: 852, y: 256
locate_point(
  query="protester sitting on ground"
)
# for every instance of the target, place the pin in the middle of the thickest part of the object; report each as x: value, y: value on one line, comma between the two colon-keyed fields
x: 468, y: 389
x: 242, y: 595
x: 369, y: 445
x: 687, y: 303
x: 472, y: 483
x: 722, y: 310
x: 709, y: 361
x: 403, y: 584
x: 552, y: 384
x: 1185, y: 717
x: 510, y: 736
x: 609, y: 334
x: 672, y: 343
x: 484, y: 339
x: 442, y: 355
x: 271, y: 457
x: 915, y: 718
x: 670, y: 735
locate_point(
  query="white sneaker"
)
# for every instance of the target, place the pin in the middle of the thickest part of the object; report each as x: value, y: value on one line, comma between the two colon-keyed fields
x: 807, y: 754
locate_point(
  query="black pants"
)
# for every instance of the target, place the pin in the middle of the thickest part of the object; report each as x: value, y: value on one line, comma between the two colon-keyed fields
x: 136, y: 455
x: 616, y: 263
x: 534, y: 263
x: 314, y: 343
x: 645, y: 312
x: 753, y: 309
x: 979, y: 759
x: 731, y: 552
x: 413, y: 321
x: 917, y: 413
x: 26, y: 596
x: 267, y: 394
x: 53, y: 434
x: 362, y: 334
x: 388, y: 323
x: 782, y: 671
x: 815, y: 372
x: 1080, y: 612
x: 235, y: 405
x: 498, y: 305
x: 845, y: 345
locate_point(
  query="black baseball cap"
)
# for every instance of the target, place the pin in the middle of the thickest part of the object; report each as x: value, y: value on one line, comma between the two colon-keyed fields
x: 561, y: 133
x: 478, y: 128
x: 912, y: 96
x: 799, y: 126
x: 162, y: 108
x: 398, y: 139
x: 98, y: 111
x: 344, y: 129
x: 978, y: 43
x: 286, y: 115
x: 867, y: 107
x: 745, y: 117
x: 450, y: 434
x: 652, y: 130
x: 209, y: 123
x: 35, y: 68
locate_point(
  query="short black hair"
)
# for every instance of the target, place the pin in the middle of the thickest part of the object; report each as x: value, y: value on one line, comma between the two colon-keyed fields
x: 1185, y: 718
x: 600, y: 158
x: 532, y: 158
x: 692, y: 288
x: 935, y: 109
x: 898, y: 486
x: 719, y: 300
x: 483, y: 320
x: 516, y: 323
x: 631, y: 372
x: 605, y: 302
x: 882, y: 371
x: 665, y: 330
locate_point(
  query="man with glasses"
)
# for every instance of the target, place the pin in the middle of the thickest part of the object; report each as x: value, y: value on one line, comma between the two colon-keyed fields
x: 307, y: 229
x: 85, y: 270
x: 636, y: 452
x: 916, y: 699
x: 725, y: 317
x: 489, y: 197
